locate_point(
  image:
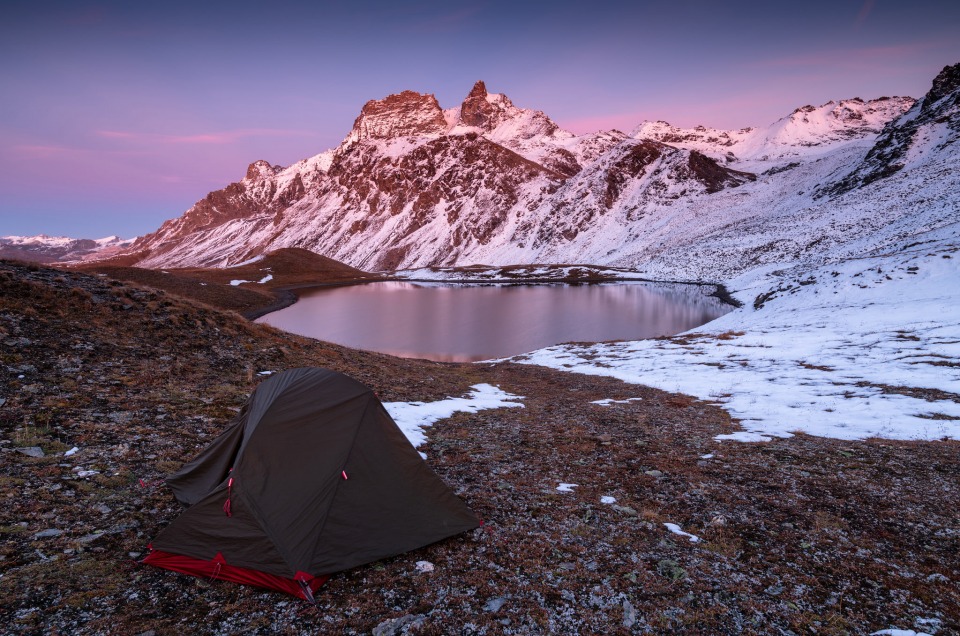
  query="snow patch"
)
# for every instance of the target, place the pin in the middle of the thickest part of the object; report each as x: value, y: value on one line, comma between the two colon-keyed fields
x: 562, y: 487
x: 609, y: 401
x: 675, y: 529
x: 250, y: 261
x: 413, y: 417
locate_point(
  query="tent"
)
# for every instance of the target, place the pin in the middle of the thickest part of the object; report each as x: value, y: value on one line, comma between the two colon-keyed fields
x: 312, y: 477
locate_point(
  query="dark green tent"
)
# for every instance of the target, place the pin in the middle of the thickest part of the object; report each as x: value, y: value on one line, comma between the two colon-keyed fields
x: 313, y: 477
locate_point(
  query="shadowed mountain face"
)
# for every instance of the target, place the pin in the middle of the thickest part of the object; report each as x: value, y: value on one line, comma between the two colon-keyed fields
x: 932, y: 124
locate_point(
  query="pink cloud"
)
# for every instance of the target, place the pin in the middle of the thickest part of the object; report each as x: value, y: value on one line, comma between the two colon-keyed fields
x: 868, y: 57
x: 224, y: 137
x: 44, y: 150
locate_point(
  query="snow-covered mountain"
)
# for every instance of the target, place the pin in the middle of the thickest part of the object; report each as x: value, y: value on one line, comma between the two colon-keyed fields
x: 52, y: 249
x: 414, y: 185
x: 807, y: 131
x: 847, y: 263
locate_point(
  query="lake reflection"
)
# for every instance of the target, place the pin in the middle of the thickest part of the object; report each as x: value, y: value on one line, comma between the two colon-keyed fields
x: 477, y: 322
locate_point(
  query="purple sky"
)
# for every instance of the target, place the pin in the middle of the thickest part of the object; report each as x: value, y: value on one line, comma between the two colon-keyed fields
x: 116, y: 116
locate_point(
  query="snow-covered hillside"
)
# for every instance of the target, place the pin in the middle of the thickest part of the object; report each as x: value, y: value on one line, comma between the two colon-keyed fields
x: 851, y: 320
x: 863, y: 347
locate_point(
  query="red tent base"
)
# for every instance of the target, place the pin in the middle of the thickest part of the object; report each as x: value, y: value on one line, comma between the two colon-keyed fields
x: 302, y: 585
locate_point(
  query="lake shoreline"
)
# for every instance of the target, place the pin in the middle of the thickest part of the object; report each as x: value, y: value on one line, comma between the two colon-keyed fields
x: 287, y: 295
x: 469, y: 320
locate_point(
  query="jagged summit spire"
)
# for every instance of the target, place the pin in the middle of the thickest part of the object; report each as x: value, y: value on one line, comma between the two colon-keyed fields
x: 479, y: 90
x: 477, y: 109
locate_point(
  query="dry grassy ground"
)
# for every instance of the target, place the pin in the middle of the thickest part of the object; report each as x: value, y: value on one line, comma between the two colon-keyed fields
x: 801, y: 535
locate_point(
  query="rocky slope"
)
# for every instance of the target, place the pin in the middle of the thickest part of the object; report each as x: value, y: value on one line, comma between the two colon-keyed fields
x: 802, y: 535
x: 927, y: 129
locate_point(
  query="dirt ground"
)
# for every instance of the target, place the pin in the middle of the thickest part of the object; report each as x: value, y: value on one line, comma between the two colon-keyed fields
x: 797, y: 536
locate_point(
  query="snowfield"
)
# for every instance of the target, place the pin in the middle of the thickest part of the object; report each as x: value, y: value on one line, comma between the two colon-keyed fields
x: 850, y: 324
x: 860, y: 348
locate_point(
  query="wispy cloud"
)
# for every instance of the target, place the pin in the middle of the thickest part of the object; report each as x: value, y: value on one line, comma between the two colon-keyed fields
x: 866, y: 57
x: 57, y: 151
x: 864, y: 12
x: 221, y: 137
x: 451, y: 22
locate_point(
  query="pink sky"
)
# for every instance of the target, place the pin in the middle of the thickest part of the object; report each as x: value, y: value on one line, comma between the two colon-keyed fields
x: 118, y: 116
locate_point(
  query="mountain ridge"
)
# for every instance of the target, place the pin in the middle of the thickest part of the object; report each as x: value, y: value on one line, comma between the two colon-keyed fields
x: 414, y: 185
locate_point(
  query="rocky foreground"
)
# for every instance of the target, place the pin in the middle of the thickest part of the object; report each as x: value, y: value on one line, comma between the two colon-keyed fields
x: 797, y: 536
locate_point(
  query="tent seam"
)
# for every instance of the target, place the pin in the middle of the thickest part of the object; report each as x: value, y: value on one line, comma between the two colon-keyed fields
x: 336, y: 488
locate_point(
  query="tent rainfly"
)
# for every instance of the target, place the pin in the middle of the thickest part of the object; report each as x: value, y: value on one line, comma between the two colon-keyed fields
x: 312, y: 477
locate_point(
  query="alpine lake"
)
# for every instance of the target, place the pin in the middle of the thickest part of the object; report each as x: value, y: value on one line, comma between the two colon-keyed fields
x: 467, y: 322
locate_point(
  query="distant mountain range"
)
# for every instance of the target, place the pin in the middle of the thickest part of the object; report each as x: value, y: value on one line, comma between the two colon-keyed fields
x: 414, y: 185
x: 51, y: 249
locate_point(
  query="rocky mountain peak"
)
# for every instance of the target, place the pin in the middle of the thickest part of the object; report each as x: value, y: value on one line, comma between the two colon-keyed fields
x: 484, y: 110
x: 946, y: 82
x: 261, y: 170
x: 399, y: 115
x: 479, y: 90
x: 931, y: 124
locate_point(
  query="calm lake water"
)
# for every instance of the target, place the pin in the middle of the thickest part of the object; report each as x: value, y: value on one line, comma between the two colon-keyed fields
x: 465, y: 323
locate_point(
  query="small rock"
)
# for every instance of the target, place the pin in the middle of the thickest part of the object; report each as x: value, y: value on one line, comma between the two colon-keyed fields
x: 629, y: 614
x: 774, y: 590
x: 49, y: 532
x: 569, y: 567
x: 394, y: 626
x: 424, y: 566
x: 72, y: 451
x: 653, y: 473
x: 133, y: 555
x: 90, y: 537
x: 627, y: 510
x: 494, y: 604
x: 31, y: 451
